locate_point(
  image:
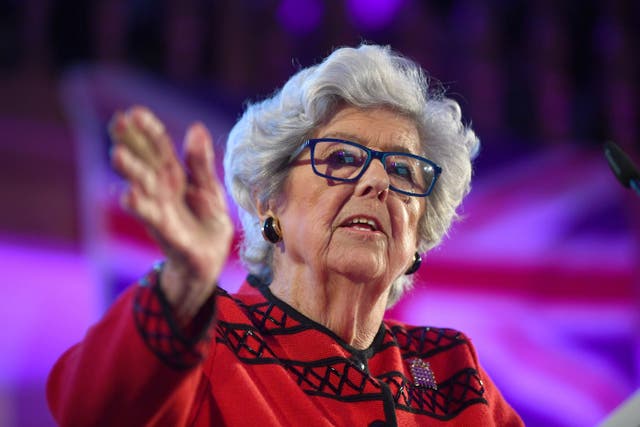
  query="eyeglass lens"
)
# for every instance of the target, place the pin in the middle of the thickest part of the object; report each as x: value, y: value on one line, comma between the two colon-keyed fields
x: 345, y: 161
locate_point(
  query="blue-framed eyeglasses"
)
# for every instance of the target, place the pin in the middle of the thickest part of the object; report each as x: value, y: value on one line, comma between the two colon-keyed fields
x: 341, y: 160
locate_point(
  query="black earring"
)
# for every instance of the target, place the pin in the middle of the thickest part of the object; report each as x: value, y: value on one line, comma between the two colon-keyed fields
x: 417, y: 260
x: 271, y: 230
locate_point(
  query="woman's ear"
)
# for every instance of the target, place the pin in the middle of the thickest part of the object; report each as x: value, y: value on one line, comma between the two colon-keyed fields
x: 263, y: 209
x: 270, y: 207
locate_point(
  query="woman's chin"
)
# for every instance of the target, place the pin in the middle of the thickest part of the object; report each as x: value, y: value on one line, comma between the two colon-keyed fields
x: 359, y: 266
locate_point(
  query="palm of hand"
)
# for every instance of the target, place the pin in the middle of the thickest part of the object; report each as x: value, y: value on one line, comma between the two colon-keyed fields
x: 187, y: 217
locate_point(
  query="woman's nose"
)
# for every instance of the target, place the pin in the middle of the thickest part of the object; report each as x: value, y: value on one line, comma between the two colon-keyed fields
x: 374, y: 181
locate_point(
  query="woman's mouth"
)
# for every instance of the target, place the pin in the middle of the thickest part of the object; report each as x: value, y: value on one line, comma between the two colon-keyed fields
x: 363, y: 224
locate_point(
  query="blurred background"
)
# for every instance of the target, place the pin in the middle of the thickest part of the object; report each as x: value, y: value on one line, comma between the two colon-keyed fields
x: 542, y: 272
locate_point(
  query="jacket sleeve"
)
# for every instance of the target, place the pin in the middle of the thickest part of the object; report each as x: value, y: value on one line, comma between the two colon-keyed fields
x: 500, y: 411
x: 134, y: 367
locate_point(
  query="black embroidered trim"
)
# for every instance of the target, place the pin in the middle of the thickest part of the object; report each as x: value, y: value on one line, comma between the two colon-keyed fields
x: 333, y: 377
x: 275, y: 317
x: 340, y: 378
x: 388, y: 403
x: 463, y: 389
x: 268, y: 317
x: 424, y: 342
x: 159, y: 329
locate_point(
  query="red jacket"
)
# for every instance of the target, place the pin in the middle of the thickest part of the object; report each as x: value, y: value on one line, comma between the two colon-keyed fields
x: 263, y: 363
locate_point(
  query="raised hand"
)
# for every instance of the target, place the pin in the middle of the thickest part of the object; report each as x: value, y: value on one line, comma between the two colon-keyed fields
x: 185, y: 210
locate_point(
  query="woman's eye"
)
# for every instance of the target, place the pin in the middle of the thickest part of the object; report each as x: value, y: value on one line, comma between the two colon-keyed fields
x: 343, y: 158
x: 401, y: 170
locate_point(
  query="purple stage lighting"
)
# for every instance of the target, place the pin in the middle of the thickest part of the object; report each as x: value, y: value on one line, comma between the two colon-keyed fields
x: 373, y: 14
x: 300, y: 16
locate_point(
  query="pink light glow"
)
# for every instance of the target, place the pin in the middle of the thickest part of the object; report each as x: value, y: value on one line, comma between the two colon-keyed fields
x: 47, y: 301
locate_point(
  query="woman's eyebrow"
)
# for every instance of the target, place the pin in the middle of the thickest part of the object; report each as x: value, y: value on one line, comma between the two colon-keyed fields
x: 355, y: 138
x: 344, y: 135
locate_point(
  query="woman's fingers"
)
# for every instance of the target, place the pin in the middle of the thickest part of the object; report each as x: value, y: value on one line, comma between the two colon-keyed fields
x: 135, y: 201
x: 199, y: 156
x: 205, y: 194
x: 126, y: 132
x: 133, y: 169
x: 140, y: 130
x: 156, y: 135
x: 147, y: 122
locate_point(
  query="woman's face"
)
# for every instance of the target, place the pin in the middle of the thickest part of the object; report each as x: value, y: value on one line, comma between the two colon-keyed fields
x: 322, y: 220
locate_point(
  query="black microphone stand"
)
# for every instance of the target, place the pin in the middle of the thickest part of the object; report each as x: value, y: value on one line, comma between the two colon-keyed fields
x: 623, y: 168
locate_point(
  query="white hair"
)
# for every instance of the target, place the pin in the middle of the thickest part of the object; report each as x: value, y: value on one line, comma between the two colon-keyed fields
x: 370, y: 76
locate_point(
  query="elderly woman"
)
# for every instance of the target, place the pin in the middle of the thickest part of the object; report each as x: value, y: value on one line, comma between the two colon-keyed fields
x: 342, y: 178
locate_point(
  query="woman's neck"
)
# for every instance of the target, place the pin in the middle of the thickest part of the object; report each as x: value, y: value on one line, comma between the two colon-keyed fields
x: 352, y: 310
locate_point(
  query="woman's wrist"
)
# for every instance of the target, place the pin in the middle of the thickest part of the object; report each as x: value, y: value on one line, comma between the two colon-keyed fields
x: 179, y: 345
x: 184, y: 292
